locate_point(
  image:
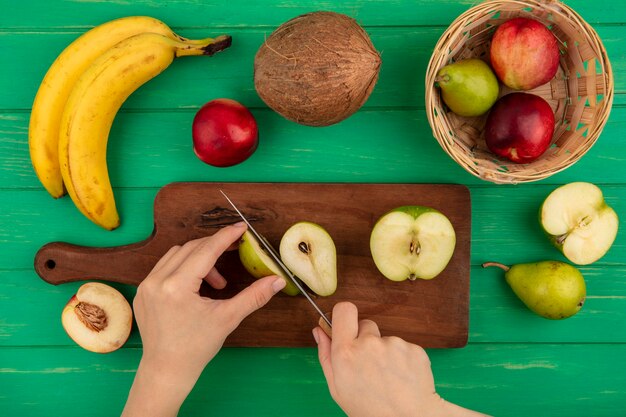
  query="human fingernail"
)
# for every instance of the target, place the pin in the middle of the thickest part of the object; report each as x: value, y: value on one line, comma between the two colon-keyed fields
x: 316, y: 337
x: 278, y: 284
x: 240, y: 224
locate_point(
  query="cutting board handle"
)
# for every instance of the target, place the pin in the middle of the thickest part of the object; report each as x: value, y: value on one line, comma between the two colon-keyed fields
x: 59, y: 262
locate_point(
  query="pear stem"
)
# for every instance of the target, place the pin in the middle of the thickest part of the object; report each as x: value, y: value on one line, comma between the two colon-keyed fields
x: 499, y: 265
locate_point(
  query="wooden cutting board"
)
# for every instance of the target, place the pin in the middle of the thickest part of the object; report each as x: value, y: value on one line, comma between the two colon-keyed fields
x: 431, y: 313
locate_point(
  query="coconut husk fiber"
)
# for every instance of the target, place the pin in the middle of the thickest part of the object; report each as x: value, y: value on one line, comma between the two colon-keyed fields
x: 316, y: 69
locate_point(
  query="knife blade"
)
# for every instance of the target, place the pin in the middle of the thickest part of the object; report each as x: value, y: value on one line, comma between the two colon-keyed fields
x: 274, y: 255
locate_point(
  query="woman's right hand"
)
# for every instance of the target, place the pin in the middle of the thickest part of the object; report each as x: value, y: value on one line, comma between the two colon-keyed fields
x: 370, y: 375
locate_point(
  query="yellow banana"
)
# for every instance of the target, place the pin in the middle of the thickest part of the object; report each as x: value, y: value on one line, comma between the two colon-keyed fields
x: 93, y: 104
x: 43, y: 132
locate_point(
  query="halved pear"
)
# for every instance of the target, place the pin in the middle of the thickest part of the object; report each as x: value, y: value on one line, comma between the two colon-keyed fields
x: 309, y: 252
x: 579, y: 222
x: 412, y: 242
x: 259, y: 264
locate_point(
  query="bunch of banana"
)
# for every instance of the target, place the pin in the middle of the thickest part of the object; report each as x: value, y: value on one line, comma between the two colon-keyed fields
x: 80, y: 95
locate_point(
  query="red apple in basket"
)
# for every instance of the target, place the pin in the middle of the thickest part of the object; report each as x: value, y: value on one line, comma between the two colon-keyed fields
x: 524, y: 53
x: 224, y: 133
x: 519, y: 127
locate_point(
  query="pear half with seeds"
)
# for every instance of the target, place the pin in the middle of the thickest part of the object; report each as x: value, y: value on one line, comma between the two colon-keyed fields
x: 259, y: 264
x: 309, y: 252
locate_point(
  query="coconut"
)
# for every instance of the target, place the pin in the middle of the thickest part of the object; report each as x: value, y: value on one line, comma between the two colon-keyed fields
x: 316, y: 69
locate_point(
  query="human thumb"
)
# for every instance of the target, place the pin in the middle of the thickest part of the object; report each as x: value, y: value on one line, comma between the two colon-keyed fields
x: 253, y: 297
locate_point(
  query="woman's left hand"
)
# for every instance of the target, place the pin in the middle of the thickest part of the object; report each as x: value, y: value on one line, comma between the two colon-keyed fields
x: 182, y: 331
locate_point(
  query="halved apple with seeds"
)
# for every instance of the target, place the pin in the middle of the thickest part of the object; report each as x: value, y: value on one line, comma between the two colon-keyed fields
x: 579, y: 222
x: 98, y: 318
x: 412, y: 242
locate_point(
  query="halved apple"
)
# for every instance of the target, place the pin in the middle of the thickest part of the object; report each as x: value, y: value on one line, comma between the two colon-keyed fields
x: 309, y: 252
x: 579, y: 222
x: 412, y: 242
x: 259, y: 264
x: 98, y: 318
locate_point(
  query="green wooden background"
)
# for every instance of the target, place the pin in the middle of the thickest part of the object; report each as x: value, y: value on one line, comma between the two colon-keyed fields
x: 515, y: 364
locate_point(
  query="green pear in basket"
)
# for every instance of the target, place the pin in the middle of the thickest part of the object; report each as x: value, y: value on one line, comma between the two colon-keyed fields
x: 468, y: 87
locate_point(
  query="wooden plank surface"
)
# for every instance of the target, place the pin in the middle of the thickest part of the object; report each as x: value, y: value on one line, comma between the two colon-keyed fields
x: 70, y: 13
x: 516, y: 363
x: 507, y: 235
x: 496, y: 315
x: 289, y: 152
x: 514, y: 380
x: 190, y: 82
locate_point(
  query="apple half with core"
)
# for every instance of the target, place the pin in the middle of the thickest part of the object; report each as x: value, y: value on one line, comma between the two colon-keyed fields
x: 98, y: 318
x: 579, y: 222
x: 259, y: 264
x: 309, y: 252
x: 412, y: 242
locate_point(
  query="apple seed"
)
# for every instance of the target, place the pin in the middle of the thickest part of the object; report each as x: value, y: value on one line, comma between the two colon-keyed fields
x: 414, y: 247
x: 584, y: 222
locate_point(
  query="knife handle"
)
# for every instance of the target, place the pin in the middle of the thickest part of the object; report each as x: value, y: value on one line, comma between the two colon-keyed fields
x: 327, y: 329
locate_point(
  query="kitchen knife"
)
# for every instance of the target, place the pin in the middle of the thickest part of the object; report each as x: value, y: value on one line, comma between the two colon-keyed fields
x: 274, y: 255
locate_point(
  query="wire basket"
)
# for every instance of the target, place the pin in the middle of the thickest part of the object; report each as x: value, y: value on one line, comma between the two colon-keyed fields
x: 580, y: 94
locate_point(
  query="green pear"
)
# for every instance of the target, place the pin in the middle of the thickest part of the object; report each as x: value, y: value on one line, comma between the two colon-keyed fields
x: 552, y: 289
x: 412, y: 242
x: 579, y: 222
x: 468, y: 87
x: 259, y: 264
x: 309, y: 252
